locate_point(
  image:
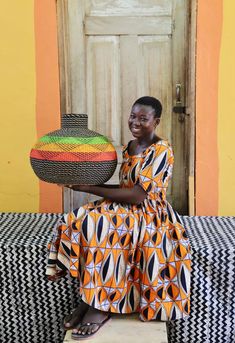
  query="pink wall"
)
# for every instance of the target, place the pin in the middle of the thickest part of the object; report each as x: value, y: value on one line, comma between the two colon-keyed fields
x: 47, y: 90
x: 209, y: 26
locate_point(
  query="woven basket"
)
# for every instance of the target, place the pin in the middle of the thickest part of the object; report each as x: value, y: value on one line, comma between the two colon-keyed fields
x: 74, y: 154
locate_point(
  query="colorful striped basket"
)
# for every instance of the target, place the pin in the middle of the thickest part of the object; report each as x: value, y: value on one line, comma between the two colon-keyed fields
x: 74, y: 155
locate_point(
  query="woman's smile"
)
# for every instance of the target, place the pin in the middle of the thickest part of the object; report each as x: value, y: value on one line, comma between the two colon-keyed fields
x: 135, y: 129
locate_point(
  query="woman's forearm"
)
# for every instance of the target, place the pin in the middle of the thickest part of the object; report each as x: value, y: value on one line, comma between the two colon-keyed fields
x: 133, y: 195
x: 114, y: 194
x: 105, y: 185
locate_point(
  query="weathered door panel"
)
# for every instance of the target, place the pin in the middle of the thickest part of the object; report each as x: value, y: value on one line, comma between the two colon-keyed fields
x: 121, y: 50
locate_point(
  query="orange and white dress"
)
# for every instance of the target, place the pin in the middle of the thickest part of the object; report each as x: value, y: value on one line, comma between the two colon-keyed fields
x: 129, y: 258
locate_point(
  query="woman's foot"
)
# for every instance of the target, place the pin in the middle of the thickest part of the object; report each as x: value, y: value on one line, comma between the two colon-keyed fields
x: 92, y: 321
x: 57, y: 276
x: 74, y: 319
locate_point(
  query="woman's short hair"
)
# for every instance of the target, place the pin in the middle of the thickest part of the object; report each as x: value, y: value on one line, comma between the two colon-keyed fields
x: 150, y: 101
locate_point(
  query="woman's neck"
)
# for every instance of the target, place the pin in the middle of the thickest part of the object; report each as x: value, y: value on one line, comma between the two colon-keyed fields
x: 145, y: 142
x: 137, y: 146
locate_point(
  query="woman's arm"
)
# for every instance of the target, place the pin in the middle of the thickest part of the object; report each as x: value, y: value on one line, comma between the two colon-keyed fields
x: 133, y: 195
x: 105, y: 185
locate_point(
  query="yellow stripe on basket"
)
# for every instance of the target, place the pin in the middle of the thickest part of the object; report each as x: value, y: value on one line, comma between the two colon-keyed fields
x: 74, y: 147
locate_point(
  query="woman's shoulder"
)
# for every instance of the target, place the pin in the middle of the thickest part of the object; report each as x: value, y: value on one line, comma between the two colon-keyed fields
x: 157, y: 147
x: 162, y: 142
x: 160, y: 145
x: 159, y: 151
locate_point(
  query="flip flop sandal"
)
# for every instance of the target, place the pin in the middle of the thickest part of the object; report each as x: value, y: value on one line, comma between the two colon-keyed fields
x: 70, y: 317
x: 58, y: 276
x: 78, y: 337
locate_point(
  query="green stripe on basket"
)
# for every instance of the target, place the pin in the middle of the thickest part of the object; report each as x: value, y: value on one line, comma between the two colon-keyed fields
x: 74, y: 140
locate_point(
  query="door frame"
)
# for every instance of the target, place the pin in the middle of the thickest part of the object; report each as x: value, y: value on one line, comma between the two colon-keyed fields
x: 67, y: 40
x: 191, y: 104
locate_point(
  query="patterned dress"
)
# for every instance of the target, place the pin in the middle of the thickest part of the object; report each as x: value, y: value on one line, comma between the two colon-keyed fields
x: 129, y: 258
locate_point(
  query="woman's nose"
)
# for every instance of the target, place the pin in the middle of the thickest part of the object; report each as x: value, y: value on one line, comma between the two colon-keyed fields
x: 136, y: 122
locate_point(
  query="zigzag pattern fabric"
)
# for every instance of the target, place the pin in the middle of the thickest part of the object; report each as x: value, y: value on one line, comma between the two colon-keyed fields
x: 129, y: 258
x: 212, y: 317
x: 31, y: 308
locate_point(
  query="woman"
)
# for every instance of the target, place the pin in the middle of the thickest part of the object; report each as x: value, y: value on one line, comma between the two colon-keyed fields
x: 129, y: 250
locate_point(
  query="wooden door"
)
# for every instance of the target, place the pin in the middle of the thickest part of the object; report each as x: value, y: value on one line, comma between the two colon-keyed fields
x: 111, y: 53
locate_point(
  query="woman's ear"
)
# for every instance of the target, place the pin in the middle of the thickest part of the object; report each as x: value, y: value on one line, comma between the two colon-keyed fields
x: 157, y: 122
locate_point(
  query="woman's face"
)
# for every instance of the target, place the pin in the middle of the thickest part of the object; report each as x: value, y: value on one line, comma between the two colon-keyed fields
x: 142, y: 122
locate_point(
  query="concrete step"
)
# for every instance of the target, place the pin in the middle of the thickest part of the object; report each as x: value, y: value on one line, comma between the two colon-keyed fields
x: 127, y: 329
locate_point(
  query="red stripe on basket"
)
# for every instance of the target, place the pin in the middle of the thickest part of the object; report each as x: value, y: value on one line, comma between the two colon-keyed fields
x: 73, y: 156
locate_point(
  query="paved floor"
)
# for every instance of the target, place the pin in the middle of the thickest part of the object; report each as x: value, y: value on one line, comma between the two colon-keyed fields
x: 128, y: 329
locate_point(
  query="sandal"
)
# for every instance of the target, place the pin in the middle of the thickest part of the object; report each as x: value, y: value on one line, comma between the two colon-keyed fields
x: 75, y: 317
x: 57, y: 276
x: 78, y: 337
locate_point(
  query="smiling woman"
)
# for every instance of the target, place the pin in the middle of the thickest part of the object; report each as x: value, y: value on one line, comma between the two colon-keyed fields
x: 129, y: 250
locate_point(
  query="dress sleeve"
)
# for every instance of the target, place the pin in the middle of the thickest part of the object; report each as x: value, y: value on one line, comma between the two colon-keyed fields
x: 157, y: 166
x: 124, y: 149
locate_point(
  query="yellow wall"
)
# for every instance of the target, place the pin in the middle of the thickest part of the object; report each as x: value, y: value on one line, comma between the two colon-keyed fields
x: 19, y: 188
x: 209, y: 29
x: 226, y: 112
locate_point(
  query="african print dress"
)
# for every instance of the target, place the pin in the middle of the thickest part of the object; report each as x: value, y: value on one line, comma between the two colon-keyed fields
x: 129, y: 258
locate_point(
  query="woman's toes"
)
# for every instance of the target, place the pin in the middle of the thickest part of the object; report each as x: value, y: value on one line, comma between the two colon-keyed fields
x: 85, y: 330
x: 76, y: 330
x: 89, y: 330
x: 94, y: 328
x: 81, y: 331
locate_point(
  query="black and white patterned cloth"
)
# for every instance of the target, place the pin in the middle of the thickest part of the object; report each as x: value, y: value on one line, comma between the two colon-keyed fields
x: 31, y: 308
x: 212, y: 318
